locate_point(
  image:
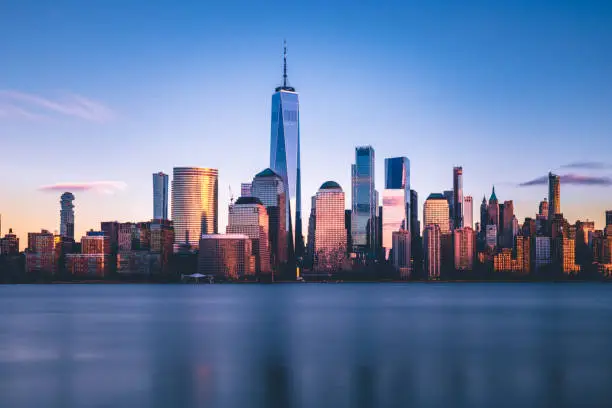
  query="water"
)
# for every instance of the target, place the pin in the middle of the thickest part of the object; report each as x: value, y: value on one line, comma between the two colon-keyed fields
x: 306, y: 345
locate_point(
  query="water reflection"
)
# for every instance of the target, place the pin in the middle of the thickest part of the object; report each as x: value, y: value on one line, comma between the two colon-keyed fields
x: 306, y: 345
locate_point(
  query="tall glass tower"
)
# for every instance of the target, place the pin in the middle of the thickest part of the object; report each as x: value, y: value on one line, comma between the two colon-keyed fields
x: 285, y: 157
x: 364, y: 202
x: 396, y: 200
x: 160, y: 196
x: 67, y: 215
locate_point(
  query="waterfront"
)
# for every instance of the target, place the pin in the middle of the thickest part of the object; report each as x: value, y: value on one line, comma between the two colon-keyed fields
x: 312, y: 345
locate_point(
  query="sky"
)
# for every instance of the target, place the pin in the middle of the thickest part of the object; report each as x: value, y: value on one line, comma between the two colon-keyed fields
x: 106, y: 92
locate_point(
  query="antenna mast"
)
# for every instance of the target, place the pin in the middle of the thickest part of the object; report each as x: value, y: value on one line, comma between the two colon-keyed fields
x: 284, y: 63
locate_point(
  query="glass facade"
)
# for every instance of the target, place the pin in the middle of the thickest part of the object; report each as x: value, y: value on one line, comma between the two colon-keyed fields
x: 285, y: 161
x: 160, y: 196
x: 248, y: 216
x: 432, y: 246
x: 435, y: 212
x: 457, y: 197
x: 330, y: 231
x: 554, y: 195
x: 396, y: 200
x: 468, y: 212
x: 364, y: 205
x: 464, y: 248
x: 227, y: 256
x: 195, y: 198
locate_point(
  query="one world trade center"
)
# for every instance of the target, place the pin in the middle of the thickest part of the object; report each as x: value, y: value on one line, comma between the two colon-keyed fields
x: 285, y: 157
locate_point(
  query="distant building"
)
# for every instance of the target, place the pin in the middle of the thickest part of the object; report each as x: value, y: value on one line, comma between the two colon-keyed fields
x: 415, y: 228
x: 111, y: 230
x: 464, y: 248
x: 503, y: 261
x: 330, y: 232
x: 522, y: 248
x: 542, y: 252
x: 246, y: 190
x: 226, y: 256
x: 554, y: 195
x: 508, y: 224
x: 195, y: 196
x: 126, y: 235
x: 9, y: 245
x: 484, y: 217
x: 468, y: 212
x: 543, y: 209
x: 160, y: 196
x: 401, y: 253
x: 491, y: 236
x: 435, y: 212
x: 458, y: 197
x: 493, y: 212
x: 87, y: 265
x: 162, y: 240
x: 95, y: 242
x: 450, y: 198
x: 40, y: 254
x: 608, y: 217
x: 432, y: 247
x: 396, y: 201
x: 568, y: 256
x: 139, y: 262
x: 248, y: 216
x: 364, y: 203
x: 270, y: 189
x: 67, y: 215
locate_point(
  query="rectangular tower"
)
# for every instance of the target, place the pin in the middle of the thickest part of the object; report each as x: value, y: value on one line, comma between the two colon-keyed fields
x: 457, y: 197
x: 160, y: 196
x: 396, y: 200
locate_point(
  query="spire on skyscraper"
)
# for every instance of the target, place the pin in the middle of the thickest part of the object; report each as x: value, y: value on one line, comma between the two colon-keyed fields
x: 493, y: 196
x: 285, y: 86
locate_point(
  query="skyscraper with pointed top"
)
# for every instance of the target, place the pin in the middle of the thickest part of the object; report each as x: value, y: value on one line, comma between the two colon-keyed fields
x: 285, y: 157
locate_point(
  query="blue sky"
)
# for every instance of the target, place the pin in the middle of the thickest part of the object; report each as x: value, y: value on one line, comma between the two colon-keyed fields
x: 110, y: 90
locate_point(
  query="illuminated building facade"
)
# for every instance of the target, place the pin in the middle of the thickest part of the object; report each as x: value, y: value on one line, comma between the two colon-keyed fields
x: 364, y: 203
x: 226, y: 256
x: 195, y: 197
x: 554, y: 195
x: 463, y: 239
x: 435, y: 212
x: 468, y: 212
x: 396, y: 214
x: 67, y: 215
x: 401, y: 253
x: 457, y: 197
x: 432, y: 247
x: 160, y: 196
x: 330, y: 231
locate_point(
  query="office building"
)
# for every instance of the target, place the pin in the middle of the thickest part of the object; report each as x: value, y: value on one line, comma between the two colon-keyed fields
x: 484, y: 216
x: 67, y: 215
x: 160, y: 196
x: 195, y: 198
x: 396, y: 200
x: 364, y: 203
x: 450, y: 197
x: 87, y: 265
x: 9, y: 245
x: 493, y: 210
x: 608, y: 217
x: 507, y: 240
x: 415, y: 227
x: 435, y: 212
x: 458, y: 197
x: 162, y: 241
x: 285, y: 156
x: 401, y: 249
x: 554, y: 195
x: 463, y: 239
x: 330, y: 232
x: 432, y: 248
x: 468, y: 212
x: 491, y: 235
x: 226, y: 256
x: 248, y: 216
x: 568, y: 255
x: 542, y: 252
x: 245, y: 189
x: 269, y: 188
x: 111, y: 230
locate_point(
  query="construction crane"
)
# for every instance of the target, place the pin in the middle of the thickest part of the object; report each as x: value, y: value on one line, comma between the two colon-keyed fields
x: 231, y: 195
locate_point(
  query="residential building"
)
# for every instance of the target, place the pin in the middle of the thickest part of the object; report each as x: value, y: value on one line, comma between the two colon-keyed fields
x: 432, y: 248
x: 463, y: 239
x: 67, y: 215
x: 468, y: 212
x: 40, y: 254
x: 458, y: 197
x: 160, y: 196
x: 401, y: 249
x: 554, y: 195
x: 543, y: 256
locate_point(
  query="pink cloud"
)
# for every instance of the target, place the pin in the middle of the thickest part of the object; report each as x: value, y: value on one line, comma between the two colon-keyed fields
x: 104, y: 187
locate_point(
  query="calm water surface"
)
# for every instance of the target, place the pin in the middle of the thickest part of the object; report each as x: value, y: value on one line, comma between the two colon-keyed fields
x: 306, y: 345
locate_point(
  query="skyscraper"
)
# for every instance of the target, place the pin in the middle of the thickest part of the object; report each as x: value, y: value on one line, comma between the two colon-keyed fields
x: 449, y: 195
x: 484, y: 217
x: 67, y: 215
x: 160, y: 196
x: 468, y: 212
x: 435, y: 212
x: 493, y: 211
x: 227, y: 256
x: 554, y: 195
x: 543, y: 209
x: 246, y: 189
x: 415, y: 228
x: 269, y: 188
x: 464, y: 248
x: 401, y: 252
x: 364, y: 204
x: 608, y: 217
x: 396, y: 200
x: 432, y: 248
x: 330, y: 232
x: 285, y: 156
x: 248, y: 216
x: 508, y: 227
x: 458, y: 197
x: 195, y: 197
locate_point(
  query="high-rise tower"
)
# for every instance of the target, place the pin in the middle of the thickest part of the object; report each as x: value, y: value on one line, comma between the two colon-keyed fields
x: 160, y: 196
x: 67, y: 215
x: 330, y: 232
x: 364, y: 203
x: 396, y: 201
x: 458, y: 197
x: 195, y: 199
x: 554, y: 195
x: 468, y: 212
x: 285, y: 156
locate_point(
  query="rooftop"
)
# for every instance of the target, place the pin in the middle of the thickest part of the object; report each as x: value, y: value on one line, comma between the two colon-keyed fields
x: 330, y: 185
x: 267, y: 173
x: 248, y: 200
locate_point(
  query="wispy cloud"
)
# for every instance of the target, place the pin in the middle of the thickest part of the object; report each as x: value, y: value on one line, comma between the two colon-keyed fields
x: 15, y: 104
x: 104, y: 187
x: 575, y: 179
x: 587, y: 165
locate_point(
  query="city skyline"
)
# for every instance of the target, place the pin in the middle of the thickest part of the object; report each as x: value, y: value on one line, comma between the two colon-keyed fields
x: 32, y: 110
